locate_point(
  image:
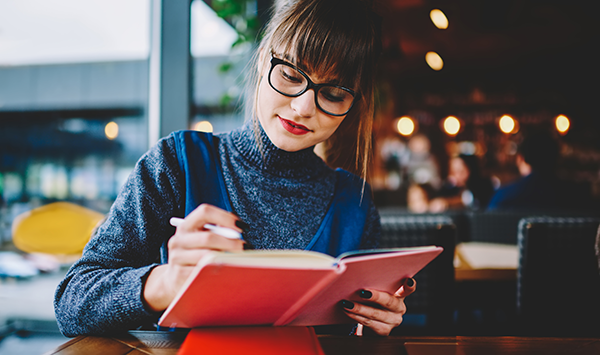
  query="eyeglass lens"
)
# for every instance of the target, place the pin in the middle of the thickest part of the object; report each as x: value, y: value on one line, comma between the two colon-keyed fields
x: 330, y: 99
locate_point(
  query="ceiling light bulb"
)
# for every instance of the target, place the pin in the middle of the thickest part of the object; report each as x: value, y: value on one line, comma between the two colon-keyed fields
x: 562, y: 124
x: 451, y: 125
x: 439, y: 19
x: 405, y: 126
x: 434, y: 60
x: 507, y: 124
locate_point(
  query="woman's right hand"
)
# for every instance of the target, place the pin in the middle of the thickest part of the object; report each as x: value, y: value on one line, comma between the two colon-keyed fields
x: 190, y: 243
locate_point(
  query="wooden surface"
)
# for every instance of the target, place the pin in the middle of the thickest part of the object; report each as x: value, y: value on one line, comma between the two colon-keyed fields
x: 168, y: 343
x: 485, y: 274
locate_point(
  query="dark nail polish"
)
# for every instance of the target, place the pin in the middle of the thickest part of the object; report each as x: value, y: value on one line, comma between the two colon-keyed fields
x: 347, y: 304
x: 242, y: 225
x: 365, y: 294
x: 410, y: 282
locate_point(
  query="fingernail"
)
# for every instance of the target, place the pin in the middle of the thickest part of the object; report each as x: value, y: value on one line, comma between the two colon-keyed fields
x: 365, y: 294
x: 410, y: 282
x: 347, y: 304
x: 242, y: 225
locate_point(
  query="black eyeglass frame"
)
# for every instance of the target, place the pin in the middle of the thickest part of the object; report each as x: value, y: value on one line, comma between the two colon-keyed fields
x: 311, y: 85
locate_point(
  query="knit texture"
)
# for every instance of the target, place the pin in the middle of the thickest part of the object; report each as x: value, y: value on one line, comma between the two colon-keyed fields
x: 283, y: 196
x: 268, y: 190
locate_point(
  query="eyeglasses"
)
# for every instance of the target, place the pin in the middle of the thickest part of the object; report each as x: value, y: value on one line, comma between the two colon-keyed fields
x: 290, y: 81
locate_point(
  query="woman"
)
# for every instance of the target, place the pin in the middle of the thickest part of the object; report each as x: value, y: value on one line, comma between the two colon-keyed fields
x: 465, y: 187
x: 313, y: 83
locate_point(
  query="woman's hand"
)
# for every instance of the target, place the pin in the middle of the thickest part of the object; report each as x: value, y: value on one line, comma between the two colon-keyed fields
x: 383, y: 312
x: 190, y: 243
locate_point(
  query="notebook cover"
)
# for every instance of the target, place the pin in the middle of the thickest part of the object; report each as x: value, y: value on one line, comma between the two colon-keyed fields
x: 382, y: 272
x: 226, y: 295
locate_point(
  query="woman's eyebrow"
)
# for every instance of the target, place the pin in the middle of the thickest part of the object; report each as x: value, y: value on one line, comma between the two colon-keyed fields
x: 285, y: 57
x: 288, y: 58
x: 329, y: 78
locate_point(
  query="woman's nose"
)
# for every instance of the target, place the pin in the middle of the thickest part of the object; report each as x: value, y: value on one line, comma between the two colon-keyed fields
x: 304, y: 104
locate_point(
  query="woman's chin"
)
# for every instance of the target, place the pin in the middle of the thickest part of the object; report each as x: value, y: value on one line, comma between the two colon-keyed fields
x: 290, y: 144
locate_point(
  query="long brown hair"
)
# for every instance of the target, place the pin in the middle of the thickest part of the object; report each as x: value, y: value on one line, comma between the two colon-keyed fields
x: 334, y: 38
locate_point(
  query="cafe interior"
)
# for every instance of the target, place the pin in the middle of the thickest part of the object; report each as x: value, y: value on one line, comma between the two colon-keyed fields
x: 83, y: 94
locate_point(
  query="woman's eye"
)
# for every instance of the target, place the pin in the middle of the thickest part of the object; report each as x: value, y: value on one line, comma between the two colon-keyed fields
x: 291, y: 75
x: 331, y: 96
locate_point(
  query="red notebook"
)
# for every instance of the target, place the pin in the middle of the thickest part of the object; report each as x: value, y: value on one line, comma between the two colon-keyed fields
x: 252, y: 340
x: 287, y: 287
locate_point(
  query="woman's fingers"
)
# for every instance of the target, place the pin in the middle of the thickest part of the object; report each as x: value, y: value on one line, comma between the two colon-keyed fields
x: 204, y: 240
x: 191, y: 242
x: 381, y: 311
x: 386, y: 301
x: 410, y: 286
x: 186, y: 257
x: 206, y: 213
x: 380, y: 324
x: 365, y: 311
x: 191, y: 233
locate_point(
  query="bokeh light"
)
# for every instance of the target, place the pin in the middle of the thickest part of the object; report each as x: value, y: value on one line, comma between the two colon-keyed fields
x: 111, y: 130
x: 562, y: 123
x: 204, y: 126
x: 439, y: 19
x: 406, y: 126
x: 434, y: 60
x: 451, y: 125
x: 507, y: 124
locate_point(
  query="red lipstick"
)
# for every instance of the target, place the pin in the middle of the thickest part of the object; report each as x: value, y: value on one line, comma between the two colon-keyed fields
x: 293, y: 127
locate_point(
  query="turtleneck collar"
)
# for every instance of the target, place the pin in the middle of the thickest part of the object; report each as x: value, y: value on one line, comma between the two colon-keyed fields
x: 301, y: 164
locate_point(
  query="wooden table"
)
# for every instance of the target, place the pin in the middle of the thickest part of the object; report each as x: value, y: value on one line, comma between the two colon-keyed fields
x: 168, y: 343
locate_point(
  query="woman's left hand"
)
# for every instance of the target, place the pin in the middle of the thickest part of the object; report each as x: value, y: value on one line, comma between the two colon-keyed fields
x: 384, y: 311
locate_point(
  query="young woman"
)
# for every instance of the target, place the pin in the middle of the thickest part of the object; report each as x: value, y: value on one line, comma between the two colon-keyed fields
x: 313, y: 83
x: 465, y: 187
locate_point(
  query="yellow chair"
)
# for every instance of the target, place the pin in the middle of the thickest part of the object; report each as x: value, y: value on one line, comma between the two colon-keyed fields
x: 59, y: 228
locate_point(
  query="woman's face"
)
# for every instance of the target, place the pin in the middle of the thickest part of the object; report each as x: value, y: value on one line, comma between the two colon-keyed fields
x: 458, y: 172
x: 293, y: 123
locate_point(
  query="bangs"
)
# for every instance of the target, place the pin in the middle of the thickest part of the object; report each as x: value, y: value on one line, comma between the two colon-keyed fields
x: 338, y: 46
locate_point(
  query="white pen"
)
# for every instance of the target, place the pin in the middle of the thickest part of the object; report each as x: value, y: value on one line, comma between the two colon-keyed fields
x: 222, y: 231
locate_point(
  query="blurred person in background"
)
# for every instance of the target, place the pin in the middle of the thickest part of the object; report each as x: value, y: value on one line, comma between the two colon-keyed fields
x: 421, y: 165
x: 418, y: 197
x: 465, y: 186
x: 539, y: 186
x: 409, y: 163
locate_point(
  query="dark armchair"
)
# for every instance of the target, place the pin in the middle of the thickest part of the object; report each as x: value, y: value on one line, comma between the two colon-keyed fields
x: 431, y: 307
x: 558, y: 286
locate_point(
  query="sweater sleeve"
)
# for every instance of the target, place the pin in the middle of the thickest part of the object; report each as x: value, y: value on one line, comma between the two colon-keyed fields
x: 102, y: 292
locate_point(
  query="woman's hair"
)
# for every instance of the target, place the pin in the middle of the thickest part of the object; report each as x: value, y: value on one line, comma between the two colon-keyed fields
x: 473, y: 165
x: 336, y: 39
x: 540, y: 150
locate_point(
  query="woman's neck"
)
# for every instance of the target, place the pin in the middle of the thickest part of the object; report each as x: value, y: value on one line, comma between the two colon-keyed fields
x: 278, y: 162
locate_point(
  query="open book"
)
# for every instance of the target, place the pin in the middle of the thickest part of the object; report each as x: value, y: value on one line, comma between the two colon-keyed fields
x: 287, y: 287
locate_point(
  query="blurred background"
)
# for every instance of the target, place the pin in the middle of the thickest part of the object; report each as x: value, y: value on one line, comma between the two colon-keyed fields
x: 84, y: 87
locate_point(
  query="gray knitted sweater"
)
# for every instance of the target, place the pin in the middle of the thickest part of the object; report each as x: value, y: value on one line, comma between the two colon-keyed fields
x: 283, y: 196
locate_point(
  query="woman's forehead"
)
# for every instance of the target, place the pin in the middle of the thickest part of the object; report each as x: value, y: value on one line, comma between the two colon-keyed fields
x: 318, y: 72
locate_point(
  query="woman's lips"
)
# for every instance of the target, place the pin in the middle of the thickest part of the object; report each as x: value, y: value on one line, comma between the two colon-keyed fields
x: 293, y: 127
